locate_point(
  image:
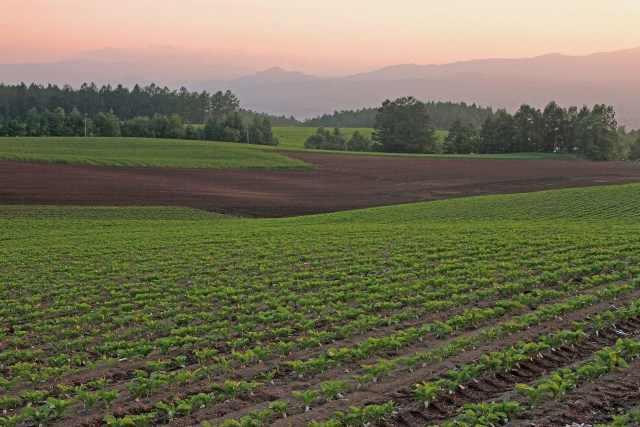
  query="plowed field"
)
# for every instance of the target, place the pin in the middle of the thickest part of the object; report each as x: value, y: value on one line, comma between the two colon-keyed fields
x: 337, y: 183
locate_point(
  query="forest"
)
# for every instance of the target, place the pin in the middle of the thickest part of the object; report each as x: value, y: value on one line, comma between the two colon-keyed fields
x: 590, y: 133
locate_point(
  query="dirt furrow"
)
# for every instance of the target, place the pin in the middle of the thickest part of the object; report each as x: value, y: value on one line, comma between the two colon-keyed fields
x: 339, y: 182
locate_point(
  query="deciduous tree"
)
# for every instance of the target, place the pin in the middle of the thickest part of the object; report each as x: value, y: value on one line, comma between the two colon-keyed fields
x: 403, y: 126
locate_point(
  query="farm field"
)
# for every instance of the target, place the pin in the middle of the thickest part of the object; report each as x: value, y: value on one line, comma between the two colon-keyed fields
x: 141, y: 152
x: 330, y: 182
x: 153, y: 152
x: 522, y: 307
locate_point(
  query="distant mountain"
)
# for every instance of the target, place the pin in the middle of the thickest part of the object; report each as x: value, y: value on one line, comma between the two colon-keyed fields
x: 315, y: 97
x: 621, y: 65
x: 606, y: 77
x: 163, y: 65
x: 78, y: 71
x: 274, y: 75
x: 609, y: 78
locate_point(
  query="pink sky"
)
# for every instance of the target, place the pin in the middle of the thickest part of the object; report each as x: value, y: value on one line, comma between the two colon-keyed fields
x: 327, y: 37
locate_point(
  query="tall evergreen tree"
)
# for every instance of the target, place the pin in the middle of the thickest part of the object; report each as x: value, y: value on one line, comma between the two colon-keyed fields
x: 527, y: 123
x: 460, y: 139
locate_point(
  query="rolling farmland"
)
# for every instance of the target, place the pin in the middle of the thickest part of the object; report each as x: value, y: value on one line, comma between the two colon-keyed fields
x: 169, y: 258
x: 248, y: 180
x: 141, y: 152
x: 512, y: 307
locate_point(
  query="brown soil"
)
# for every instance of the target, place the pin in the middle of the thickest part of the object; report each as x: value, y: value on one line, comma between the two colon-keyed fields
x: 339, y: 182
x: 593, y: 403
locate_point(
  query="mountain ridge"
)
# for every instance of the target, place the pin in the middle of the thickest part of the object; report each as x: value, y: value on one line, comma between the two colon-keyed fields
x: 601, y: 77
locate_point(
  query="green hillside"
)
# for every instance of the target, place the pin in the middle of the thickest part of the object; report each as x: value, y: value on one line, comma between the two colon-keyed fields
x: 142, y: 152
x: 145, y: 308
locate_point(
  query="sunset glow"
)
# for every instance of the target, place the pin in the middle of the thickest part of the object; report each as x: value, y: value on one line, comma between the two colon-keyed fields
x: 328, y: 37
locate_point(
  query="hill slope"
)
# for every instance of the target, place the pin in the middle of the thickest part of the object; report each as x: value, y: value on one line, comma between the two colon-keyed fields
x: 227, y: 316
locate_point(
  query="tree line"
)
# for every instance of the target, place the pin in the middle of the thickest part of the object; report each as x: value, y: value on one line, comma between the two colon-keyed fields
x: 400, y: 126
x: 405, y: 126
x: 590, y: 133
x: 324, y: 139
x: 631, y: 140
x: 441, y: 114
x: 192, y: 107
x: 229, y: 126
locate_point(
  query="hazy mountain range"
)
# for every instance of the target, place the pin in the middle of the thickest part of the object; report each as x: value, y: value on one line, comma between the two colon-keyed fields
x: 607, y: 77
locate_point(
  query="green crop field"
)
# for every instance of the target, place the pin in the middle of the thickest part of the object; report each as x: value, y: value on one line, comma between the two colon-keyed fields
x: 512, y: 306
x: 150, y: 152
x: 142, y: 152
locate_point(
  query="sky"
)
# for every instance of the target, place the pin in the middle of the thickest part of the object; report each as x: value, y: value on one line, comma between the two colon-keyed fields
x: 327, y: 37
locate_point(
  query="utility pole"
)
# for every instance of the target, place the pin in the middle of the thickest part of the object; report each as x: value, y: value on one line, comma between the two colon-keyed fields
x: 247, y: 135
x: 85, y: 125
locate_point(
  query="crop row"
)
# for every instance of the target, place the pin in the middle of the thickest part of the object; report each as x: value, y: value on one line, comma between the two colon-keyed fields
x: 556, y: 385
x: 64, y: 362
x: 385, y: 367
x: 144, y: 384
x: 427, y: 392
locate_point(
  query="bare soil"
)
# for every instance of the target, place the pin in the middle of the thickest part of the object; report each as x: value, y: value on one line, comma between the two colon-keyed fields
x: 338, y: 182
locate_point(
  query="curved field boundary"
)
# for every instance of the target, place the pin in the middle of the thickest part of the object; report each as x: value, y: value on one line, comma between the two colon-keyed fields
x: 143, y: 152
x: 337, y: 183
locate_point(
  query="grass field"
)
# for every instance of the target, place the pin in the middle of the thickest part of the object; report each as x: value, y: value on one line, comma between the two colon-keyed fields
x: 148, y: 152
x: 391, y: 316
x: 142, y: 152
